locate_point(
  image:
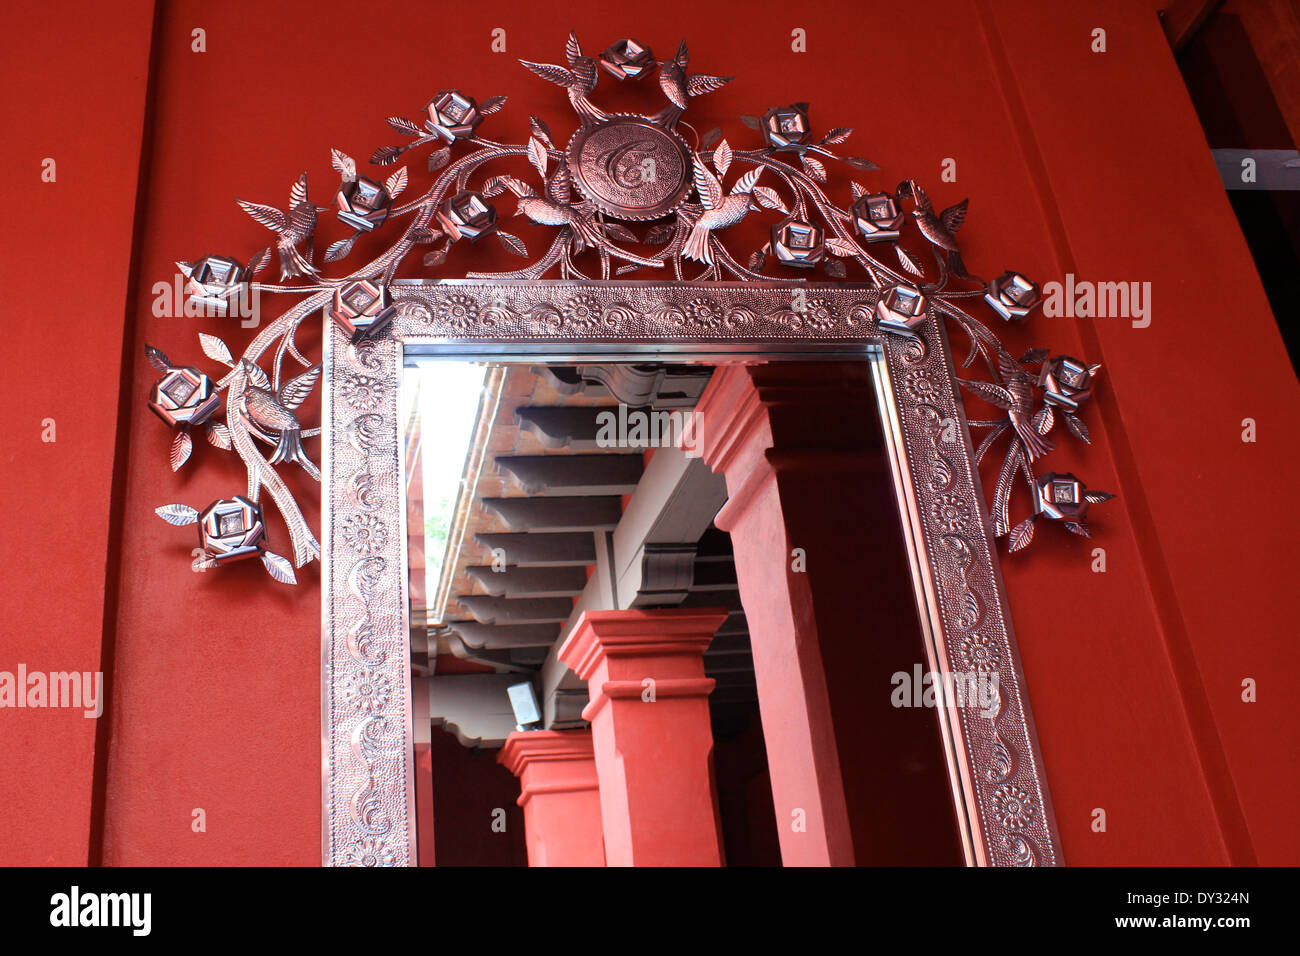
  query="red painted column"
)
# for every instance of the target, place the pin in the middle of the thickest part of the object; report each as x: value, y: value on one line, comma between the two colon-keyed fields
x: 649, y: 714
x: 794, y: 443
x: 559, y: 794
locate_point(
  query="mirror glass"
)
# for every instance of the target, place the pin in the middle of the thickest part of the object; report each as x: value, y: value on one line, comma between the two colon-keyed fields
x: 539, y: 490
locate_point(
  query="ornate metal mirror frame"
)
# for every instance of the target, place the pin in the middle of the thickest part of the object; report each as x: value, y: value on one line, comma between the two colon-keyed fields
x: 1002, y: 800
x: 615, y: 172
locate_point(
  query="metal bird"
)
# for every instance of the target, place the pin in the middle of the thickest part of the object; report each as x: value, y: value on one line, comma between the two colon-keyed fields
x: 557, y: 209
x: 291, y: 228
x: 579, y: 80
x: 272, y: 411
x: 719, y: 211
x: 940, y: 230
x: 679, y: 87
x: 1016, y: 395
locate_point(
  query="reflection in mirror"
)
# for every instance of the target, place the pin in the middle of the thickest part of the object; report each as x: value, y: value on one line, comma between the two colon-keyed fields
x: 542, y: 495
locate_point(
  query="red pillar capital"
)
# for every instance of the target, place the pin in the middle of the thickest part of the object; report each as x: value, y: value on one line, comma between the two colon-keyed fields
x: 559, y: 794
x: 650, y: 725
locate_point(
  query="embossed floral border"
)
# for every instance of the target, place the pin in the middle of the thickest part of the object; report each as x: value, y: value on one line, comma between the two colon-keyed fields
x: 366, y: 704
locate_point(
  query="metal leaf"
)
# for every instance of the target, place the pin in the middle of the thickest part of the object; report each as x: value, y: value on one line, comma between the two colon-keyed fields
x: 1097, y: 497
x: 298, y: 192
x: 396, y: 183
x: 278, y: 567
x: 344, y: 165
x: 182, y: 445
x: 620, y: 232
x: 857, y: 162
x: 837, y: 135
x: 1077, y: 427
x: 439, y: 158
x: 540, y: 131
x: 537, y: 155
x: 834, y: 268
x: 841, y: 247
x: 722, y: 158
x: 711, y: 137
x: 157, y: 359
x: 204, y: 562
x: 757, y: 260
x: 386, y: 155
x: 403, y: 125
x: 1022, y: 534
x: 512, y: 243
x: 1002, y: 490
x: 858, y: 191
x: 753, y: 122
x: 215, y: 349
x: 813, y: 167
x: 219, y: 436
x: 1078, y: 527
x: 909, y: 262
x: 340, y: 249
x: 260, y: 261
x: 491, y: 105
x: 424, y: 236
x: 437, y: 257
x: 624, y: 270
x: 179, y: 515
x: 660, y: 233
x: 1044, y: 420
x: 768, y: 198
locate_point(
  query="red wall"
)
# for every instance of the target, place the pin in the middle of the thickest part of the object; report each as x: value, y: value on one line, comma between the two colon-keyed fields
x: 1076, y: 162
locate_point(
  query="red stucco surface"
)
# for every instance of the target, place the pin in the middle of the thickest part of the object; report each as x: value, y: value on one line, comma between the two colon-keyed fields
x: 1074, y: 162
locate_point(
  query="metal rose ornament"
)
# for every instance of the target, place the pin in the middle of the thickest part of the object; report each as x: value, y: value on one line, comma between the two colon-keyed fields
x: 216, y: 281
x: 798, y: 243
x: 1013, y: 297
x: 877, y: 217
x: 901, y: 310
x: 627, y: 60
x: 1067, y: 382
x: 230, y: 530
x: 362, y: 309
x: 786, y: 126
x: 1059, y: 497
x: 452, y: 115
x: 363, y: 204
x: 467, y: 215
x: 184, y: 396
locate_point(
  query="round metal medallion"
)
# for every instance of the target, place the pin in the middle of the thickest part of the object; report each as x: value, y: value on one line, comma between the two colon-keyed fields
x: 630, y: 168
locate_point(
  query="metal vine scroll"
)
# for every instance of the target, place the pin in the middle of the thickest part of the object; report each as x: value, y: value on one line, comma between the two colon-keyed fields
x: 646, y: 196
